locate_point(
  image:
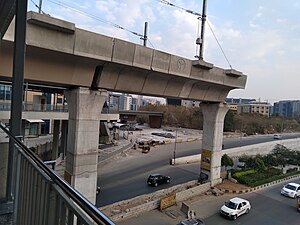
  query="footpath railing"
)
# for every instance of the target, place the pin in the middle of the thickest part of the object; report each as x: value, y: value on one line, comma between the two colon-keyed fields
x: 40, y: 196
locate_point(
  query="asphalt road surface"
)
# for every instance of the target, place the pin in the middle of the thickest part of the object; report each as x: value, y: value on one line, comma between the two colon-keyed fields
x: 126, y: 177
x: 268, y: 208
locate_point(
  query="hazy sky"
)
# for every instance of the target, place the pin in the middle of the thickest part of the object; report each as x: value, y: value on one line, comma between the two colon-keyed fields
x: 260, y: 38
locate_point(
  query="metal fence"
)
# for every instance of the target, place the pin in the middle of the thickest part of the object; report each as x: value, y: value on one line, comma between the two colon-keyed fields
x: 36, y: 107
x: 41, y: 197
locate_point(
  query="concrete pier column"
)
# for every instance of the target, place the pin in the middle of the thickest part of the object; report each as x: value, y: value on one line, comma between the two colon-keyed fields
x: 63, y: 139
x: 212, y: 139
x: 83, y: 139
x: 55, y: 139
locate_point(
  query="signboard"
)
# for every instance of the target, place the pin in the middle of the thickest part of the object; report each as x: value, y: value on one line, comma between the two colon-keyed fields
x: 167, y: 201
x: 206, y: 159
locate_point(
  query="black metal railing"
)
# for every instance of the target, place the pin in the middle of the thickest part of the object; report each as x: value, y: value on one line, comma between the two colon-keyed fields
x: 40, y: 196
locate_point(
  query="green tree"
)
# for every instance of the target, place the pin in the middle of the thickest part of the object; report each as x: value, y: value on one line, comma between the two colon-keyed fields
x: 270, y: 160
x: 226, y: 161
x: 259, y: 165
x: 282, y: 154
x: 229, y: 122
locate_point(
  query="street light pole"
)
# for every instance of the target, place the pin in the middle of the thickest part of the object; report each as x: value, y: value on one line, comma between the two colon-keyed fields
x: 174, y: 153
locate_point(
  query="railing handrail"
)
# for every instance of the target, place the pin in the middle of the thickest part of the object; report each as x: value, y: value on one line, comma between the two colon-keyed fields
x: 88, y: 207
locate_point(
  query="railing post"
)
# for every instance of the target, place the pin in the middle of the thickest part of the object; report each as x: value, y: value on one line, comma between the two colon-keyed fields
x: 52, y: 216
x: 17, y: 190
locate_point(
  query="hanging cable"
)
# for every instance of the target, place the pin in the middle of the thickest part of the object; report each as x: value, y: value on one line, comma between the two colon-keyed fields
x: 219, y: 44
x: 151, y: 43
x: 179, y: 7
x: 95, y: 17
x: 199, y: 17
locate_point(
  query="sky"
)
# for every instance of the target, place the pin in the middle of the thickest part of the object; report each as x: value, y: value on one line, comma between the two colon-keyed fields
x: 260, y: 38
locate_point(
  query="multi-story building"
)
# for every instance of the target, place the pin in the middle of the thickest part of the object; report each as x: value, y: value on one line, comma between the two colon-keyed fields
x: 33, y: 100
x: 134, y: 104
x: 287, y: 108
x: 125, y: 101
x: 262, y: 108
x: 239, y: 100
x: 234, y: 102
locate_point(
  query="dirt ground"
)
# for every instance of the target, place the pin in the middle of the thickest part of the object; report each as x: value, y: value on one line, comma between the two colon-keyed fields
x: 231, y: 186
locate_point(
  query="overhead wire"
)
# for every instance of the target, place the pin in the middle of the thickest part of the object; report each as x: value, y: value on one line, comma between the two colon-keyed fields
x: 179, y: 7
x: 95, y: 17
x: 219, y: 44
x: 151, y: 44
x: 199, y: 17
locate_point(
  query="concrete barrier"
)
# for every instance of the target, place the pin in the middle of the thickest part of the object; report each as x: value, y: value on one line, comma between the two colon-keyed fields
x: 186, y: 160
x: 148, y: 202
x: 262, y: 148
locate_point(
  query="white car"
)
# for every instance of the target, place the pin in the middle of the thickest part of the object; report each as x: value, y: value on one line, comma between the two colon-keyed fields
x: 291, y: 190
x: 277, y: 136
x: 235, y: 207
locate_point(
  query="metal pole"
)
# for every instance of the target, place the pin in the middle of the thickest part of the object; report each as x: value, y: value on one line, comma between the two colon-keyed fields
x: 26, y: 92
x: 40, y: 6
x: 203, y: 19
x: 175, y: 147
x: 145, y: 38
x: 17, y: 90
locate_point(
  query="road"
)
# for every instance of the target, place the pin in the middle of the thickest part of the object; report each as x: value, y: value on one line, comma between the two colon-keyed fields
x: 251, y: 140
x: 126, y: 177
x: 268, y: 208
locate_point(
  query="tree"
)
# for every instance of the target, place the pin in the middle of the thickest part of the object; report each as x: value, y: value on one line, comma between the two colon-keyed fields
x: 226, y: 161
x: 270, y: 160
x: 259, y: 164
x: 229, y: 122
x: 282, y: 154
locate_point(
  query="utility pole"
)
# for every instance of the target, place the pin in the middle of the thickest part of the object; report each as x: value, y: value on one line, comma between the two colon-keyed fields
x: 203, y: 19
x: 40, y: 6
x: 145, y: 38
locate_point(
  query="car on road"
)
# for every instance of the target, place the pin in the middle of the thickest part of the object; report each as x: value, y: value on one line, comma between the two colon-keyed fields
x: 235, y: 207
x: 192, y: 221
x: 157, y: 179
x: 277, y: 136
x: 291, y: 190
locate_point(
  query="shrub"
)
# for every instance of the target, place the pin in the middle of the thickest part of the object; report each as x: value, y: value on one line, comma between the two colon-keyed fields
x: 271, y: 179
x: 252, y: 178
x: 243, y: 173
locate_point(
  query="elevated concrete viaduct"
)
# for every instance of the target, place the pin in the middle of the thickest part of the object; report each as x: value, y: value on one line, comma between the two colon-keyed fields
x: 91, y: 64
